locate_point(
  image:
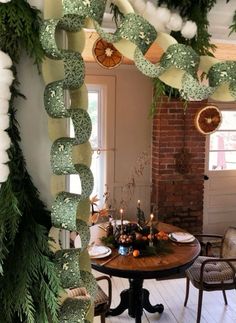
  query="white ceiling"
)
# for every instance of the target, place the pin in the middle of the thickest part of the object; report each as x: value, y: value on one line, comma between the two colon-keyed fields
x: 220, y: 18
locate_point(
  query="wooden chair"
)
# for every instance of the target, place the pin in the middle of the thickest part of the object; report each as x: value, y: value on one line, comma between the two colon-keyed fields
x: 102, y: 300
x: 211, y: 274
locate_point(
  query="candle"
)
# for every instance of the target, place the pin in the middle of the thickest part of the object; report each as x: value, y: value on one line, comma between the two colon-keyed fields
x: 151, y: 228
x: 121, y: 220
x: 138, y: 203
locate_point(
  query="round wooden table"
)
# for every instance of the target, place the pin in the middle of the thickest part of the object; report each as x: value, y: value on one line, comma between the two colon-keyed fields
x: 136, y: 298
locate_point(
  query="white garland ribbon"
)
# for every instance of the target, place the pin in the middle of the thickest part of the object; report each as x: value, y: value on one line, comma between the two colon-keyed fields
x: 6, y: 78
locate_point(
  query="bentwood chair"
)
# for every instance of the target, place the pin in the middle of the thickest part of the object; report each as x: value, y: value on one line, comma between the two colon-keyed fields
x: 211, y: 274
x: 102, y: 300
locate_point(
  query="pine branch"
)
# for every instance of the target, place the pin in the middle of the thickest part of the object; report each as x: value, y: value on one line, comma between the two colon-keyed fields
x: 117, y: 14
x: 19, y: 30
x: 29, y: 286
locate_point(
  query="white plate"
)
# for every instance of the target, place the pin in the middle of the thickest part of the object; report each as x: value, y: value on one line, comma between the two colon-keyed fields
x: 102, y: 255
x: 96, y: 251
x: 118, y: 222
x: 181, y: 237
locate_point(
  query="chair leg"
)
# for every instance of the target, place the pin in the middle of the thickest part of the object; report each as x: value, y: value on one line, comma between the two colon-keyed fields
x: 199, y: 309
x: 225, y: 298
x: 103, y: 318
x: 187, y: 291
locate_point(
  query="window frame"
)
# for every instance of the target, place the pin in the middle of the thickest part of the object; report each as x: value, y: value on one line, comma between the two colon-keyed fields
x: 227, y: 107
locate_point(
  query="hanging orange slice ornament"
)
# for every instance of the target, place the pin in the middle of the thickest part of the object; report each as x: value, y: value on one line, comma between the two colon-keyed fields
x: 208, y: 119
x: 106, y: 54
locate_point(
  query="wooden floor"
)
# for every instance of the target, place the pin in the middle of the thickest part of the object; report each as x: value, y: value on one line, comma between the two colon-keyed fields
x: 171, y: 294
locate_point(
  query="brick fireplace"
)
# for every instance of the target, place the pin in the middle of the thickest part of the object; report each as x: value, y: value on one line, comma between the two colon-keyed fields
x: 177, y: 177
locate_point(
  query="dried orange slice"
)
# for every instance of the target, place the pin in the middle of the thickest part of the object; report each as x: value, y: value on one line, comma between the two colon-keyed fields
x: 208, y: 119
x: 106, y: 54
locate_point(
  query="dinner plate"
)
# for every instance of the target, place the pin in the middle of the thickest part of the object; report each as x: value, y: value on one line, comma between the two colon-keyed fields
x: 99, y: 252
x: 118, y: 222
x: 181, y: 237
x: 103, y: 255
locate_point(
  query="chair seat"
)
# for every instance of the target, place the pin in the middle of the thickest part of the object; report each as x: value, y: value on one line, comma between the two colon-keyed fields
x: 214, y: 272
x: 101, y: 302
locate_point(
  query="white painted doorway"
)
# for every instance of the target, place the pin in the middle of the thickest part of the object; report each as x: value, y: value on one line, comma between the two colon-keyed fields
x: 220, y: 188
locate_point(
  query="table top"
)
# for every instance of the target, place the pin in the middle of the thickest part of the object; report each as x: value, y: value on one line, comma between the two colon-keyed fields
x: 158, y: 266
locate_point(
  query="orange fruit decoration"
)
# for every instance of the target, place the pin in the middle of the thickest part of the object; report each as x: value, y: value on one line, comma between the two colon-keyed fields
x: 208, y: 119
x: 136, y: 253
x: 161, y: 235
x: 106, y: 54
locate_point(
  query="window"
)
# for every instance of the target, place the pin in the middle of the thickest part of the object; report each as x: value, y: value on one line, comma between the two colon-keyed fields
x: 101, y: 97
x: 222, y: 143
x: 95, y: 110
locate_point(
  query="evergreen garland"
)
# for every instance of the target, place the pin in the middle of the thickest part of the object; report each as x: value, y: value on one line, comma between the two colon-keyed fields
x: 29, y: 285
x: 196, y: 11
x: 117, y: 14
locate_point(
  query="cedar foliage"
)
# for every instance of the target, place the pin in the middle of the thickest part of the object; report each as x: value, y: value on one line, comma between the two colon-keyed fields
x: 196, y: 11
x: 29, y: 285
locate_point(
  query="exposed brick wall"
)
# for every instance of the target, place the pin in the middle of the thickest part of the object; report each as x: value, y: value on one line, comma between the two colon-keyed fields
x: 179, y: 197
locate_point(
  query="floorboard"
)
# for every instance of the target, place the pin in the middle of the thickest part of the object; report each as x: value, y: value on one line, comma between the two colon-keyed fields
x: 171, y: 294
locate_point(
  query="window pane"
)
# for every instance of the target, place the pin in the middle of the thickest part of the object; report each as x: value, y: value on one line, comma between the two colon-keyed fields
x: 222, y: 160
x: 223, y: 140
x: 93, y: 98
x: 228, y: 120
x: 96, y: 140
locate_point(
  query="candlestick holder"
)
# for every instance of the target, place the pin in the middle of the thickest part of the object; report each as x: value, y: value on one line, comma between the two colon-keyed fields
x: 150, y: 243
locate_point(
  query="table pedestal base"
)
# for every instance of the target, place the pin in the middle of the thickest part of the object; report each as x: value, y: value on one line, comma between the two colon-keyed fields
x: 135, y: 299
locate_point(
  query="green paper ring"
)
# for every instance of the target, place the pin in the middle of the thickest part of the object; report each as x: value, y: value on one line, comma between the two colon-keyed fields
x: 87, y: 8
x: 182, y: 57
x: 61, y: 156
x: 223, y: 72
x: 84, y: 232
x: 54, y: 100
x: 138, y: 31
x: 82, y: 125
x: 74, y: 70
x: 74, y: 310
x: 47, y: 39
x: 67, y: 267
x: 64, y: 211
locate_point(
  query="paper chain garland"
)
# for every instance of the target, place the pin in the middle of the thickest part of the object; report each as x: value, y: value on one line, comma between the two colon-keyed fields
x: 64, y: 72
x: 69, y: 211
x: 6, y: 78
x: 135, y: 35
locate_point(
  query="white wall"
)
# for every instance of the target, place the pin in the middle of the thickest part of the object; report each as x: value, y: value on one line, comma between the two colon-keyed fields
x: 133, y: 128
x: 32, y: 119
